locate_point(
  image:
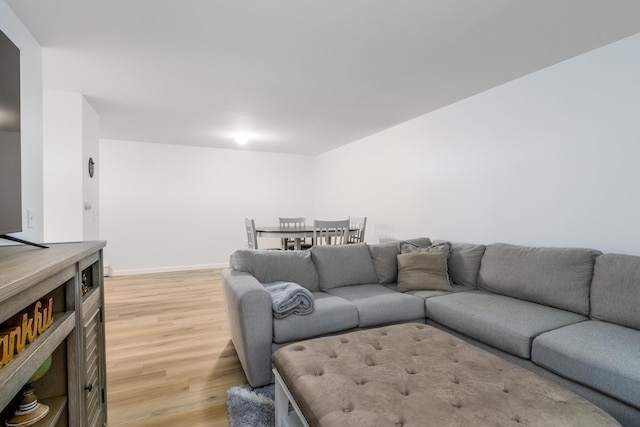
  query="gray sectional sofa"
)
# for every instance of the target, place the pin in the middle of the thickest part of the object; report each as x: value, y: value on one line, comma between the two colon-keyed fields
x: 569, y: 314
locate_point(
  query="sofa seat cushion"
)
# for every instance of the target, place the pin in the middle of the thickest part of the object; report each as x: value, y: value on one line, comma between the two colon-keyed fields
x: 505, y: 323
x: 331, y: 314
x: 598, y: 354
x: 378, y: 305
x: 431, y: 293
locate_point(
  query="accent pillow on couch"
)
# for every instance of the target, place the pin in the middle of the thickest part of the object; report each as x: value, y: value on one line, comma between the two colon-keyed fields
x: 423, y: 268
x: 464, y: 262
x: 385, y: 261
x: 409, y: 247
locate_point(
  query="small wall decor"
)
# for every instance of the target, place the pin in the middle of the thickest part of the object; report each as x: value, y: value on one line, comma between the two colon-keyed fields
x: 91, y: 167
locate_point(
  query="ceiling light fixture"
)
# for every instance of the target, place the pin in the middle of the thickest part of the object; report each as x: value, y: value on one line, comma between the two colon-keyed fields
x: 241, y: 138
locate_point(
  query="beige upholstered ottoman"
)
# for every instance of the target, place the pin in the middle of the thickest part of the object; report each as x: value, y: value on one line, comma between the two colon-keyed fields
x: 416, y: 375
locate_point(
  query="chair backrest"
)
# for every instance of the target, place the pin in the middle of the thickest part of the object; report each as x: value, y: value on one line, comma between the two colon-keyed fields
x: 360, y: 224
x: 330, y: 232
x: 292, y: 222
x: 252, y: 238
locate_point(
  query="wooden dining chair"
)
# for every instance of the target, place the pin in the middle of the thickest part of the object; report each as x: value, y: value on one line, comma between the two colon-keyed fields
x: 252, y: 238
x: 331, y: 232
x: 291, y: 222
x: 360, y: 224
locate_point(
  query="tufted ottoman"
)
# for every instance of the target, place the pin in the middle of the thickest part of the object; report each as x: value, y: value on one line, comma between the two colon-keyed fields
x: 416, y: 375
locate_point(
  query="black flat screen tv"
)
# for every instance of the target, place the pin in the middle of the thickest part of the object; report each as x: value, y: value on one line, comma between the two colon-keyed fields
x: 10, y: 173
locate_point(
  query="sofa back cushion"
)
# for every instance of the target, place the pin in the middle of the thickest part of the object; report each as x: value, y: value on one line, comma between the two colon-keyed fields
x: 272, y: 266
x: 615, y: 291
x: 464, y: 262
x: 343, y: 265
x: 384, y: 257
x: 557, y: 277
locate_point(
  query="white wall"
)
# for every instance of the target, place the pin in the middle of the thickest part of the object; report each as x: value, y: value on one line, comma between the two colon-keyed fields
x: 90, y: 186
x: 550, y: 159
x: 70, y: 138
x: 31, y: 121
x: 171, y: 207
x: 62, y: 166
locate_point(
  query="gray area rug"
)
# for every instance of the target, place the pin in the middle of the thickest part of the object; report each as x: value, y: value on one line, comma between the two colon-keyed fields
x: 251, y: 407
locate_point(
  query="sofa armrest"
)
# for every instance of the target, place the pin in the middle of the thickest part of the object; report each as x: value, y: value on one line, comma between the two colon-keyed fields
x: 250, y: 319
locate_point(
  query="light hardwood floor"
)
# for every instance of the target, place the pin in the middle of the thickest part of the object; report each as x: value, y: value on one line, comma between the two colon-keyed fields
x: 170, y: 359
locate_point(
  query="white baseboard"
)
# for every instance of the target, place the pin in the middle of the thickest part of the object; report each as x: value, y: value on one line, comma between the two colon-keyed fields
x: 135, y: 271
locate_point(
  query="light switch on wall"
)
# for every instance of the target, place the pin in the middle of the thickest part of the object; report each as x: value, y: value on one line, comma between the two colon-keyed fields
x: 31, y: 218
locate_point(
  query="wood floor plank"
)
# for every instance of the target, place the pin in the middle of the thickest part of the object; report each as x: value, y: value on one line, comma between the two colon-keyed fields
x: 170, y: 359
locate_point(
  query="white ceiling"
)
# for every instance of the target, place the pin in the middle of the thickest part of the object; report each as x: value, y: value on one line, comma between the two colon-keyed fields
x: 302, y: 76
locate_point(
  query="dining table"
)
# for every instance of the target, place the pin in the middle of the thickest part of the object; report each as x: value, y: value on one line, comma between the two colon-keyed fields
x: 295, y: 233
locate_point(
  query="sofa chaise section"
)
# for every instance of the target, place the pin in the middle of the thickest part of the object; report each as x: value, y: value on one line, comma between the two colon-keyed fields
x: 602, y: 353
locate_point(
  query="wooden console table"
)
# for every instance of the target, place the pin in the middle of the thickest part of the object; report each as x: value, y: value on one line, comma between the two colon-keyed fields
x: 75, y: 385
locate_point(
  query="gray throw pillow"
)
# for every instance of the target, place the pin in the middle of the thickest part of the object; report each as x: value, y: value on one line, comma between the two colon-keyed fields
x: 408, y: 247
x: 464, y: 262
x: 384, y: 257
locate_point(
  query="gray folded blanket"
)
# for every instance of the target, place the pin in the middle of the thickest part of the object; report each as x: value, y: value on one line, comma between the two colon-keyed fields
x: 289, y: 298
